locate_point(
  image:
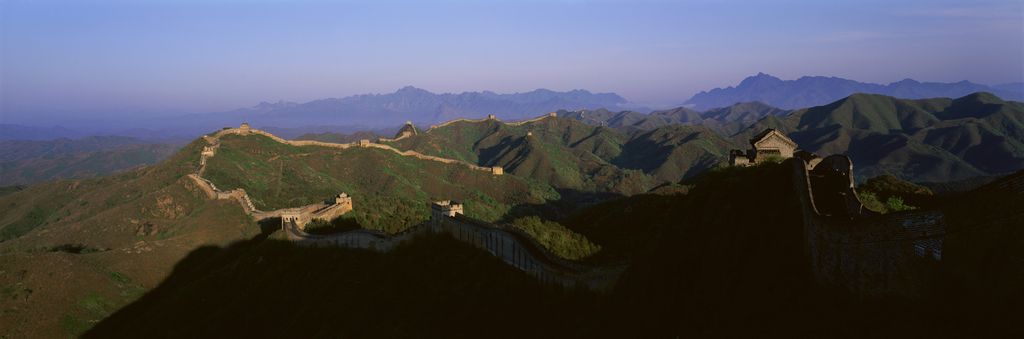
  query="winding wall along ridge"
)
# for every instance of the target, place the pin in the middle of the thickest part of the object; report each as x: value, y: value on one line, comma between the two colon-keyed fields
x: 491, y: 117
x: 365, y: 143
x: 512, y: 244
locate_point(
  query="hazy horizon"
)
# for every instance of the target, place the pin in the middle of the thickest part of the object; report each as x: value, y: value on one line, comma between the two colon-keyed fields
x: 207, y: 57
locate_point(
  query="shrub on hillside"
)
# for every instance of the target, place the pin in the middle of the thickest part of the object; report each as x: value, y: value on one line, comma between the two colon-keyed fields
x: 557, y: 239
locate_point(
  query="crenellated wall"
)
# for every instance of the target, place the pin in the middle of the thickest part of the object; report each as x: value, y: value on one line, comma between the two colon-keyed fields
x: 491, y: 117
x: 367, y: 239
x: 363, y: 143
x: 891, y: 254
x: 512, y: 244
x: 518, y: 248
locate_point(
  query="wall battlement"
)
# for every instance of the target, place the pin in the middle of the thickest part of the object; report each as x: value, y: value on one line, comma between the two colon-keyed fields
x: 514, y: 245
x: 491, y: 117
x: 891, y: 254
x: 361, y: 143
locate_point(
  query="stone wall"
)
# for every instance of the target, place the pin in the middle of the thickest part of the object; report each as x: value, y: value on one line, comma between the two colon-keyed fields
x: 410, y: 153
x: 891, y: 254
x: 366, y: 239
x: 517, y: 248
x: 491, y: 117
x: 512, y: 244
x: 549, y: 115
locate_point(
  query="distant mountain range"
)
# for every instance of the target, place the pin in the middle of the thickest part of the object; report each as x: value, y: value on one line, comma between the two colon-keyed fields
x: 411, y: 104
x: 744, y: 103
x: 816, y: 91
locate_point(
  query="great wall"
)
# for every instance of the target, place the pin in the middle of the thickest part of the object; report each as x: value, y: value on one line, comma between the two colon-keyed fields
x: 848, y: 245
x: 898, y: 253
x: 512, y: 244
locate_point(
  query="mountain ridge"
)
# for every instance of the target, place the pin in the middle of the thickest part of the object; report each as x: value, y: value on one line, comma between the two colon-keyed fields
x: 937, y: 139
x: 808, y: 91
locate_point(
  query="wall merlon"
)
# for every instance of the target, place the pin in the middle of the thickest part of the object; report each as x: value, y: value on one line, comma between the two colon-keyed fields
x: 869, y: 253
x: 512, y: 244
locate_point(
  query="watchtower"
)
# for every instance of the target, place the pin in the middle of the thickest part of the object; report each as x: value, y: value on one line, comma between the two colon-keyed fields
x: 764, y: 144
x: 342, y: 199
x: 441, y: 209
x: 207, y: 151
x: 245, y: 127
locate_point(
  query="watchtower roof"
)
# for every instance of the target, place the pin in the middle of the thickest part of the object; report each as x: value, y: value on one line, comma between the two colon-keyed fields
x: 771, y: 133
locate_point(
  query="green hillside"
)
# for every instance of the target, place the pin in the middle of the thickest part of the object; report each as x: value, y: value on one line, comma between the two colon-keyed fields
x: 73, y: 251
x: 726, y: 120
x: 935, y: 140
x: 83, y: 165
x: 339, y: 138
x: 697, y: 268
x: 573, y: 155
x: 390, y: 191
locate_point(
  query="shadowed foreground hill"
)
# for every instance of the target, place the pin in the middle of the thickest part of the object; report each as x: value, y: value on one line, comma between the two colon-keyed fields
x: 698, y: 269
x: 435, y: 287
x: 728, y: 259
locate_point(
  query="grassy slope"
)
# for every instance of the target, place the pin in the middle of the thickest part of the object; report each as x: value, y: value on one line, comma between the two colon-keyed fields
x: 72, y: 235
x: 82, y: 165
x: 937, y: 139
x: 699, y: 269
x: 573, y: 155
x: 390, y: 191
x: 339, y: 138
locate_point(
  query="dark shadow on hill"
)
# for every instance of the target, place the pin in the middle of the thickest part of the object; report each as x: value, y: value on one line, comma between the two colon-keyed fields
x: 726, y: 259
x: 570, y: 200
x: 436, y: 286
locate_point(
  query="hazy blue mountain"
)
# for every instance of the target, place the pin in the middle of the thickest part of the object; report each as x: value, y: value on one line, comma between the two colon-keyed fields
x: 421, y: 107
x: 20, y: 132
x: 1013, y: 86
x: 816, y: 91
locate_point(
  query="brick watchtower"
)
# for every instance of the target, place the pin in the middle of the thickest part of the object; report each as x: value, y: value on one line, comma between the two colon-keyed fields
x: 441, y: 209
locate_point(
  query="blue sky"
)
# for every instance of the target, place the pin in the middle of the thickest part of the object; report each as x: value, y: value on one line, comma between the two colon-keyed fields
x: 202, y: 56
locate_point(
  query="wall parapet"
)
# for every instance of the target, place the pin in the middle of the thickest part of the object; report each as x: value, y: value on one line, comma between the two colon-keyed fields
x: 876, y: 254
x: 513, y: 244
x: 411, y: 153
